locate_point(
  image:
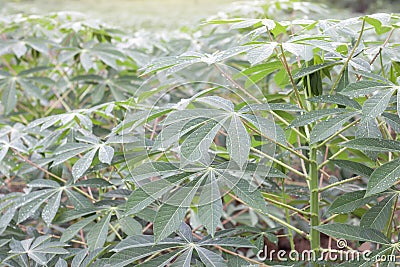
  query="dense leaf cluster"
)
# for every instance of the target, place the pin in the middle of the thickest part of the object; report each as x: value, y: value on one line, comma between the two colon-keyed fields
x: 196, y: 148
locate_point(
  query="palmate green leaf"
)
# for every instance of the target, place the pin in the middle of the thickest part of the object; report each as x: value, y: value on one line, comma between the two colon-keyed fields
x: 300, y: 50
x: 209, y: 258
x: 29, y: 88
x: 313, y: 116
x: 393, y: 120
x: 312, y: 69
x: 375, y: 105
x: 372, y: 76
x: 238, y: 141
x: 83, y: 164
x: 247, y: 193
x: 30, y: 207
x: 398, y: 101
x: 202, y: 126
x: 362, y: 88
x: 259, y: 72
x: 173, y: 132
x: 73, y: 229
x: 373, y: 144
x: 68, y: 151
x: 5, y: 219
x: 51, y: 208
x: 210, y: 205
x: 352, y: 232
x: 231, y: 52
x: 86, y: 258
x: 128, y: 256
x: 37, y: 249
x: 356, y: 167
x: 79, y: 257
x: 173, y: 62
x: 171, y: 213
x: 269, y: 107
x: 235, y: 261
x: 336, y: 99
x: 267, y: 127
x: 70, y: 215
x: 79, y: 201
x: 98, y: 234
x: 143, y: 244
x: 187, y: 115
x: 217, y: 102
x: 349, y: 201
x: 106, y: 154
x: 9, y: 96
x: 368, y: 128
x: 153, y: 169
x: 130, y: 226
x: 43, y: 183
x: 163, y: 260
x: 73, y: 118
x: 227, y: 242
x: 245, y: 23
x: 377, y: 22
x: 325, y: 129
x: 139, y: 241
x: 185, y: 232
x: 95, y: 182
x: 61, y: 263
x: 139, y: 118
x: 344, y: 80
x: 261, y: 53
x: 184, y: 259
x: 383, y: 177
x: 148, y: 193
x: 196, y: 145
x: 378, y: 216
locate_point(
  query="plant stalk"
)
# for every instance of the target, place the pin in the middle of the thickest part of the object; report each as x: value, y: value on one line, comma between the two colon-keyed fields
x: 314, y: 200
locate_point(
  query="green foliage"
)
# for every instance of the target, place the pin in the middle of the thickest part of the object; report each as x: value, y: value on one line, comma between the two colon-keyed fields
x: 193, y: 149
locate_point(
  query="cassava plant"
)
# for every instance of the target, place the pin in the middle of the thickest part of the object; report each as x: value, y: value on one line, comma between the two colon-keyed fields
x: 205, y: 148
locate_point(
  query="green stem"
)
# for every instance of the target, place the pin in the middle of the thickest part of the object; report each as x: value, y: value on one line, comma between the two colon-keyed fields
x: 272, y: 217
x: 314, y: 201
x: 287, y: 68
x: 276, y: 142
x: 390, y: 222
x: 284, y: 205
x: 277, y: 161
x: 339, y: 183
x: 340, y: 151
x: 290, y: 232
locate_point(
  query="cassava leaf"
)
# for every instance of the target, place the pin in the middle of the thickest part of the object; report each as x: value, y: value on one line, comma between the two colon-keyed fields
x: 352, y: 232
x: 362, y: 88
x: 210, y: 205
x: 83, y: 164
x: 349, y: 201
x: 325, y: 129
x: 383, y: 177
x: 373, y: 144
x: 98, y: 234
x: 313, y: 116
x: 378, y: 216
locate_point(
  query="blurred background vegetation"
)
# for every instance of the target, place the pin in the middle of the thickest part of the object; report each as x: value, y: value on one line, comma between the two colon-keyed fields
x: 169, y: 14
